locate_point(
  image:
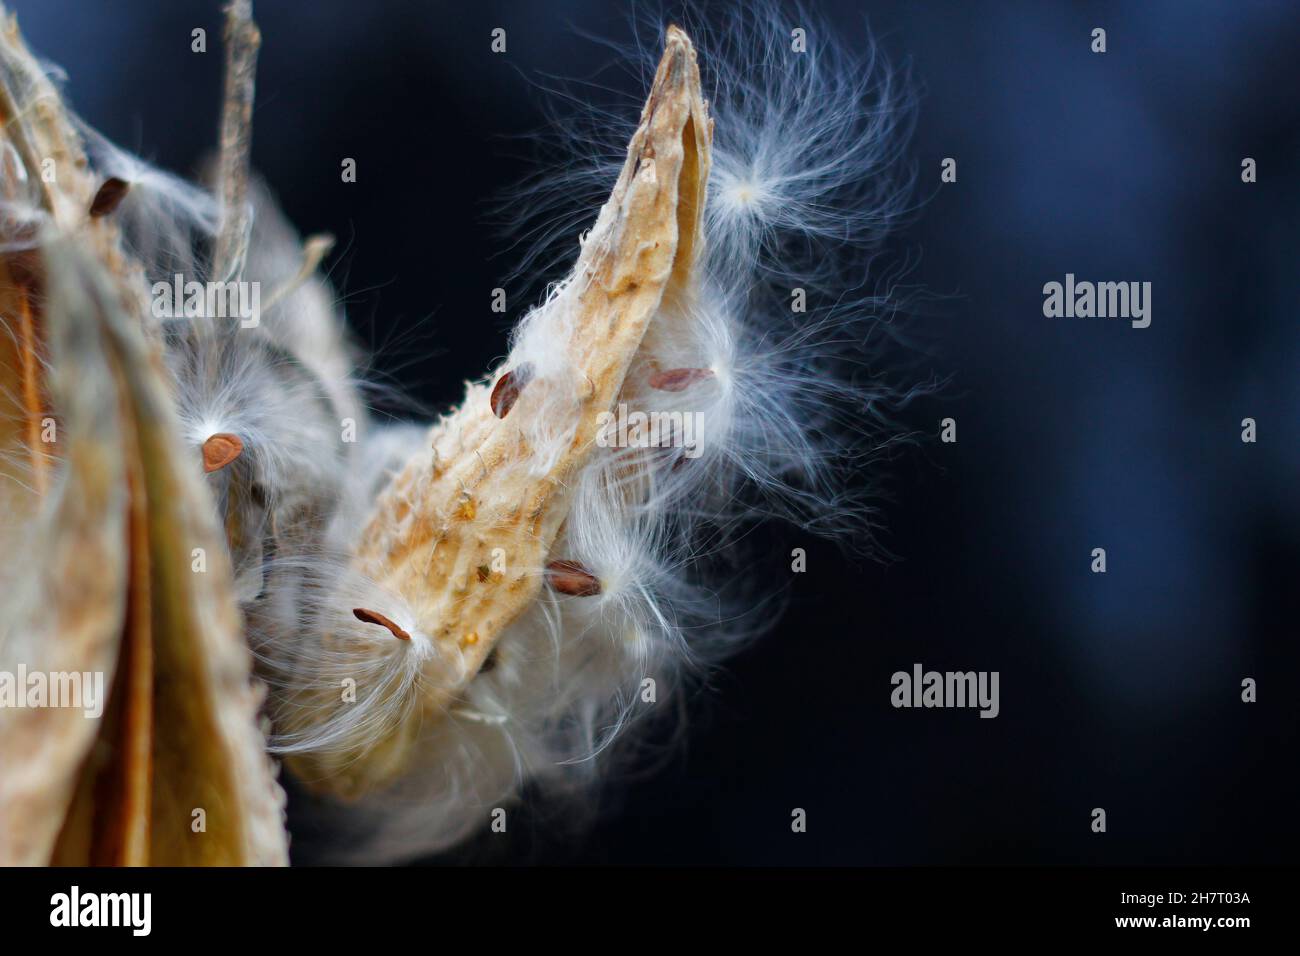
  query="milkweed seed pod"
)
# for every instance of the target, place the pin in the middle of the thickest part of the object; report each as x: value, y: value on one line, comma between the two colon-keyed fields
x: 498, y: 480
x: 103, y: 515
x: 439, y: 617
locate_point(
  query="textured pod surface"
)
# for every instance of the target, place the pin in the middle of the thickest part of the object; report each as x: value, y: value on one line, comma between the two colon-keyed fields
x: 494, y: 487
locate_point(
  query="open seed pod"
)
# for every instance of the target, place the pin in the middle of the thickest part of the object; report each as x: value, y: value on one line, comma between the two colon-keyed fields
x: 129, y: 735
x: 466, y: 531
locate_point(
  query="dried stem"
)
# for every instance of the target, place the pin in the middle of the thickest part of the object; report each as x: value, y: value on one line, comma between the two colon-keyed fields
x: 242, y: 40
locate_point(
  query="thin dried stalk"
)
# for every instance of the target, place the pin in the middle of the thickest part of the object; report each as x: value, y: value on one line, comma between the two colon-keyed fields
x: 242, y: 41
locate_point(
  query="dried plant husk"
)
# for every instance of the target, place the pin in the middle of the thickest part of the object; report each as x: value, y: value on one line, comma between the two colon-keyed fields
x: 112, y: 518
x: 485, y: 487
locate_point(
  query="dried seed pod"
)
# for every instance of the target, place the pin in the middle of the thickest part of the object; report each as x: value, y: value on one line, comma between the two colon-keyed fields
x: 66, y: 588
x: 516, y: 469
x: 111, y: 588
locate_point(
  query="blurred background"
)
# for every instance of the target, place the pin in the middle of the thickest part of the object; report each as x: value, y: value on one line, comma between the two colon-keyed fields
x: 1121, y: 690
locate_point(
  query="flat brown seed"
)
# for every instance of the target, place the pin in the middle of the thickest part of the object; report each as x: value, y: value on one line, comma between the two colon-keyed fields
x: 109, y: 197
x: 220, y: 450
x: 507, y: 389
x: 678, y: 379
x: 570, y: 577
x: 374, y: 617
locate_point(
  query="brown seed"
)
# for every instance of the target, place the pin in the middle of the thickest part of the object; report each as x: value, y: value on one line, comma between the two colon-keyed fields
x: 484, y: 572
x: 570, y: 577
x: 109, y: 197
x: 220, y: 450
x: 507, y: 389
x: 374, y: 617
x: 678, y: 379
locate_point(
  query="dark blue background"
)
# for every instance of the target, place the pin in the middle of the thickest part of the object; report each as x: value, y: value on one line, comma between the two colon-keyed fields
x: 1119, y: 691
